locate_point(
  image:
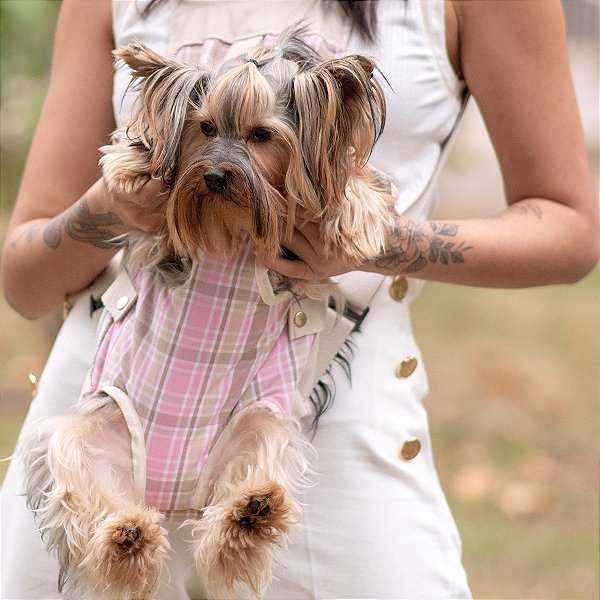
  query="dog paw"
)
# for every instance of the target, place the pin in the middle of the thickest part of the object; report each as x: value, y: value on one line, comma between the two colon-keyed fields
x: 258, y: 509
x: 128, y: 538
x: 124, y: 534
x: 237, y: 537
x: 263, y: 512
x: 126, y: 554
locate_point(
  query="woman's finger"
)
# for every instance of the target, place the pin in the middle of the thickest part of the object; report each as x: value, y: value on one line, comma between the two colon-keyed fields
x: 301, y: 246
x: 296, y: 269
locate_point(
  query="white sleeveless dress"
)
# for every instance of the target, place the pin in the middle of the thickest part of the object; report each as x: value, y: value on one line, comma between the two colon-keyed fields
x: 376, y: 524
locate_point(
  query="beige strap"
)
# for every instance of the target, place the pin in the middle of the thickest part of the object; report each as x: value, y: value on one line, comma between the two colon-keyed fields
x: 306, y: 316
x: 120, y: 296
x: 138, y: 444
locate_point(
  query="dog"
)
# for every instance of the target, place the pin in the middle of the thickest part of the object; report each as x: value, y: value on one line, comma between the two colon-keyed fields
x: 244, y: 150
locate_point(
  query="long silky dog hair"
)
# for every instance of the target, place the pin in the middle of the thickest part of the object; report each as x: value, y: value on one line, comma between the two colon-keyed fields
x: 264, y: 135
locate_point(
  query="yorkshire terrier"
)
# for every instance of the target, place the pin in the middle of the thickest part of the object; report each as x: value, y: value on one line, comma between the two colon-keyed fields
x: 244, y: 150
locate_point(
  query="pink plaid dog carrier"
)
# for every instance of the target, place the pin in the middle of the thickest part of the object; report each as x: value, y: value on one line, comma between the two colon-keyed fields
x: 180, y: 361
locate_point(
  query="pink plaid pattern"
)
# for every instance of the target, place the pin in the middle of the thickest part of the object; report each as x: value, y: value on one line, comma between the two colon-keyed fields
x: 188, y: 357
x: 212, y: 50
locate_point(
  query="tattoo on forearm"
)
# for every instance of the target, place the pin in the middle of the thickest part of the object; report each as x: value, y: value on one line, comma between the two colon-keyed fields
x: 28, y: 234
x: 417, y: 244
x: 529, y: 208
x: 83, y: 226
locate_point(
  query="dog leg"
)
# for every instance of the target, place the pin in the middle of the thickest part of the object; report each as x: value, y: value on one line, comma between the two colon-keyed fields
x: 79, y: 484
x: 126, y: 167
x: 252, y: 470
x: 358, y: 230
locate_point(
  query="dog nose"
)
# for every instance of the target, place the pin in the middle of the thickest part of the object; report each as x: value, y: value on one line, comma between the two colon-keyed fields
x: 216, y: 179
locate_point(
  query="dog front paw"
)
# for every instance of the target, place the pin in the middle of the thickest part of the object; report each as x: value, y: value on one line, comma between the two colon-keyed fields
x: 236, y: 538
x: 264, y: 514
x: 126, y: 168
x: 257, y: 509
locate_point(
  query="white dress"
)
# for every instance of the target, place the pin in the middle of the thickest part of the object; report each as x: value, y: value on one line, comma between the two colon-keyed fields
x: 376, y: 524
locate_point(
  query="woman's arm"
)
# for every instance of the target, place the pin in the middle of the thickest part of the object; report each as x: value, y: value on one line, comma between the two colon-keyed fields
x: 513, y: 57
x: 63, y: 217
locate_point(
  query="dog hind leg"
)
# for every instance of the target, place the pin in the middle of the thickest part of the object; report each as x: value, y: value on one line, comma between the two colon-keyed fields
x: 80, y: 486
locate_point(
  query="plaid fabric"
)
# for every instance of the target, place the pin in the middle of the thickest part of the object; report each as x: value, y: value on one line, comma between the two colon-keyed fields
x: 188, y: 357
x: 213, y: 51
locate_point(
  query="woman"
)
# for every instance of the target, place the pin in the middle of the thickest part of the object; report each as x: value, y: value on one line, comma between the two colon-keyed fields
x: 377, y: 524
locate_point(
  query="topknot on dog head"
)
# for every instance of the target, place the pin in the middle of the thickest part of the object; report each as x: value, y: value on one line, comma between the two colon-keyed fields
x: 290, y: 48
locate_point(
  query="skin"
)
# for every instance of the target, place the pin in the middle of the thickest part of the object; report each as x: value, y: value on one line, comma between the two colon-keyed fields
x: 513, y: 57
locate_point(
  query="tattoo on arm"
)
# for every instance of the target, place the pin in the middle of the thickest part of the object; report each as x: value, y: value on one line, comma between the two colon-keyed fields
x: 83, y: 226
x: 414, y: 245
x: 28, y: 234
x: 529, y: 208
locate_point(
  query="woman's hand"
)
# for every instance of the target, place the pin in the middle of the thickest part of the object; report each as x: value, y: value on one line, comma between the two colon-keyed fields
x: 312, y: 264
x: 143, y: 210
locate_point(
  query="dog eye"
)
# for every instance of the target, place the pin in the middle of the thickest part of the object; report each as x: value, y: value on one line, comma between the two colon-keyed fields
x: 208, y: 129
x: 262, y: 134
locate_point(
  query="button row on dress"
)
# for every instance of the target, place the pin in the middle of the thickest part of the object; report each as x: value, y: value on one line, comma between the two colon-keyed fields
x: 411, y: 446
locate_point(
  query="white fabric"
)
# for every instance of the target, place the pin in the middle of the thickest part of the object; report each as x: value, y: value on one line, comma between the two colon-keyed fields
x: 374, y: 526
x: 28, y: 571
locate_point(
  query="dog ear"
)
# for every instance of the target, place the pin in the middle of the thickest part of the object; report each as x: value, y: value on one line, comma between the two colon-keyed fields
x: 340, y: 112
x: 143, y: 61
x: 167, y: 89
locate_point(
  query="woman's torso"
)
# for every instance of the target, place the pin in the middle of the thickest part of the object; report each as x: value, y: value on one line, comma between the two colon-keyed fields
x: 366, y: 489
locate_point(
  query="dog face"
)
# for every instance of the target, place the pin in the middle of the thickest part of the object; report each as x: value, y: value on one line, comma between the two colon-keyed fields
x: 243, y: 146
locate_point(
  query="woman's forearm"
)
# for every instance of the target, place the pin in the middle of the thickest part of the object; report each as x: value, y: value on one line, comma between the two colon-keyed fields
x: 47, y: 259
x: 534, y: 242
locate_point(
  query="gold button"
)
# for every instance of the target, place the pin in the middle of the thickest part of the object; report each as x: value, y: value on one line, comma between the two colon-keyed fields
x: 122, y: 302
x: 398, y: 288
x: 410, y: 448
x: 300, y: 319
x: 406, y: 368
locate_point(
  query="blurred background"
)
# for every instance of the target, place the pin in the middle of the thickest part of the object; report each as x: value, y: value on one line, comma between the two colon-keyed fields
x: 514, y: 394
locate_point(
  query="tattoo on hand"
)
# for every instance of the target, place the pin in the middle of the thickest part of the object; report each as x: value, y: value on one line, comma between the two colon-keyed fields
x: 417, y: 244
x: 83, y: 226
